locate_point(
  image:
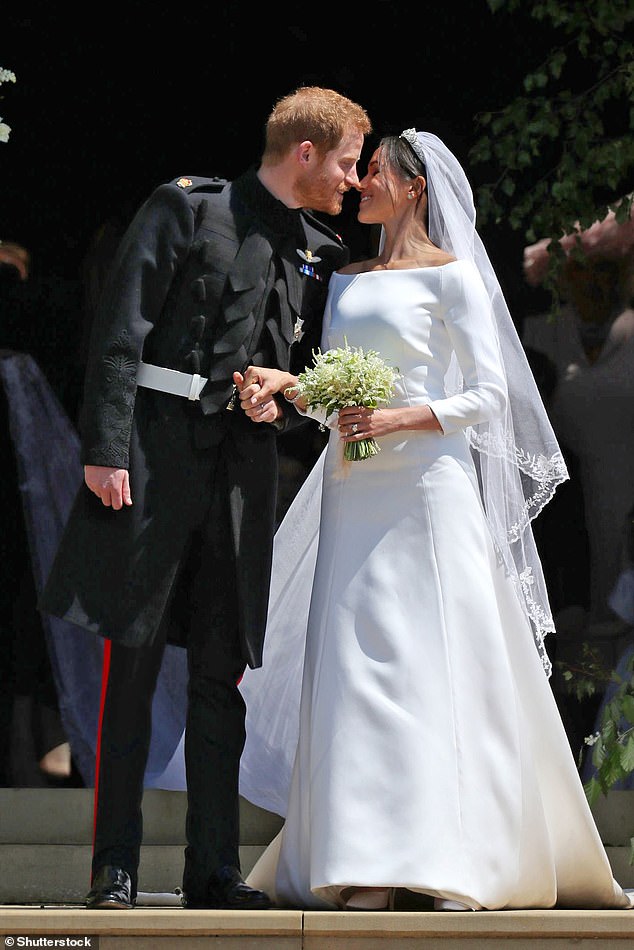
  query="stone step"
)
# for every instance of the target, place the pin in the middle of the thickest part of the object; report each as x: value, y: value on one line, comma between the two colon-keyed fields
x: 65, y: 816
x: 171, y: 929
x: 58, y: 874
x: 46, y: 835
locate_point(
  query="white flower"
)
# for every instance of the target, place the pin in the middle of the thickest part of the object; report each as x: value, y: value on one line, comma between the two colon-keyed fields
x: 593, y: 739
x: 5, y: 76
x: 348, y: 376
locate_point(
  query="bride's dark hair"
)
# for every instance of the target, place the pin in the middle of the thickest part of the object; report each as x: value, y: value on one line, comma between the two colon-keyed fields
x: 399, y: 154
x: 396, y: 152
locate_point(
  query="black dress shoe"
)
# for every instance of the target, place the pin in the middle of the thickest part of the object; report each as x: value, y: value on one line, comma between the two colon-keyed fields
x: 226, y: 890
x: 111, y: 890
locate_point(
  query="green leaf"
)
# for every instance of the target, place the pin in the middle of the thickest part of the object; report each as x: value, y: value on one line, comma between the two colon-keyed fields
x: 627, y: 756
x: 572, y: 130
x: 627, y: 707
x: 593, y: 790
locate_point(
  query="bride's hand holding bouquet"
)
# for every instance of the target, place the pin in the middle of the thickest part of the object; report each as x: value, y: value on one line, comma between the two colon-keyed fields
x: 348, y: 377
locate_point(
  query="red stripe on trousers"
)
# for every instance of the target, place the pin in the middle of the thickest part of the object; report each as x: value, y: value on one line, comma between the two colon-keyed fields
x: 105, y: 672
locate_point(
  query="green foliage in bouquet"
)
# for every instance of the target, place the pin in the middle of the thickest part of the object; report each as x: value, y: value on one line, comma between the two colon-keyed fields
x: 348, y: 376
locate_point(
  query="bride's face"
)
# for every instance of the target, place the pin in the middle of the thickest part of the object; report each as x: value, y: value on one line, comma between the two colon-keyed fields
x: 383, y: 193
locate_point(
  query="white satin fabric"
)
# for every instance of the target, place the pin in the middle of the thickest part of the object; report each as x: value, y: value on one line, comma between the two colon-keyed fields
x: 427, y: 752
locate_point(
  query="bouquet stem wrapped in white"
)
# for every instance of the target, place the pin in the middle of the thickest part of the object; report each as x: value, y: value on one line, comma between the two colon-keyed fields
x: 348, y: 376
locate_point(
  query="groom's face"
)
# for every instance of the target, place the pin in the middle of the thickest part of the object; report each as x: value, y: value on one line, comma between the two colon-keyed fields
x: 327, y: 177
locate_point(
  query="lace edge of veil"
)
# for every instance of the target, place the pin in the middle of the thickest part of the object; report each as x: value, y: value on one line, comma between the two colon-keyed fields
x: 541, y: 620
x: 546, y: 472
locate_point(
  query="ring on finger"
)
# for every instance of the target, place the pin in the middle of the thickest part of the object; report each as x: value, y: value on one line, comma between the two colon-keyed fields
x: 354, y: 427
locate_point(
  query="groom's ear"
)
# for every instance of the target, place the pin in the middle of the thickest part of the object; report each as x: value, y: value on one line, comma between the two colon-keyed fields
x: 306, y: 152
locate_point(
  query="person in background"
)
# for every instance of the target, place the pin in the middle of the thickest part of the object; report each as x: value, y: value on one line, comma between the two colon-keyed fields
x: 16, y: 257
x: 170, y: 537
x: 606, y: 239
x: 588, y: 346
x: 34, y: 750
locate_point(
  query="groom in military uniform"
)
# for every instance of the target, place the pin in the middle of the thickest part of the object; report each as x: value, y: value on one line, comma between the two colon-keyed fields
x: 170, y: 538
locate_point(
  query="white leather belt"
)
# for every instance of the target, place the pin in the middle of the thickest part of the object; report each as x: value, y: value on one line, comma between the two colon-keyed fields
x: 189, y: 385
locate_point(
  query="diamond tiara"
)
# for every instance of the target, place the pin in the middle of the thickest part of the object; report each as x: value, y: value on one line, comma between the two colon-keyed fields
x: 411, y: 138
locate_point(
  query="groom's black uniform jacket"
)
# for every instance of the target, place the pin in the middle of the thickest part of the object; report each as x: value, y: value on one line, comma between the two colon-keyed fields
x: 207, y: 279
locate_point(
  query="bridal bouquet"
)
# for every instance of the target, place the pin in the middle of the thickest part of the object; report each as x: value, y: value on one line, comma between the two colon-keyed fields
x: 348, y: 376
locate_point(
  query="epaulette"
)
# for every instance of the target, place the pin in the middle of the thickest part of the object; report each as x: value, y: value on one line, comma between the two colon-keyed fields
x: 321, y: 226
x: 200, y: 184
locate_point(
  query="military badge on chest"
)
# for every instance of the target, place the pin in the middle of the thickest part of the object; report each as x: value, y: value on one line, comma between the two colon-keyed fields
x: 298, y: 333
x: 307, y: 266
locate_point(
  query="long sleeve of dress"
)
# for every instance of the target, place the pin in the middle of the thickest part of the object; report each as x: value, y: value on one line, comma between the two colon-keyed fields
x: 469, y: 325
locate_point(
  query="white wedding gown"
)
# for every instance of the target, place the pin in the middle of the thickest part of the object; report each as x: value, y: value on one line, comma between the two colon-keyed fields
x: 428, y: 752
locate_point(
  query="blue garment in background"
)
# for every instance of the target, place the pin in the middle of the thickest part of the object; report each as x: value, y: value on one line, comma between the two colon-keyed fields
x: 47, y: 454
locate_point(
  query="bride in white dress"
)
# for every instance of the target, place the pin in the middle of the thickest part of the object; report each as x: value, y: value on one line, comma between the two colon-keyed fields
x: 402, y: 722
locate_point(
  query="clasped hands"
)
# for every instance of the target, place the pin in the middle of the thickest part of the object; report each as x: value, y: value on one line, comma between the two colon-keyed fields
x: 259, y: 386
x: 257, y: 389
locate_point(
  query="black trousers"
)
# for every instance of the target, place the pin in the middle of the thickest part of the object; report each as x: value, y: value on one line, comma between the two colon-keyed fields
x: 205, y: 600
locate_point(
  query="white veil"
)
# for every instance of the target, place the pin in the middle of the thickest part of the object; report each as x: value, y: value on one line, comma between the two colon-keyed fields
x: 518, y: 458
